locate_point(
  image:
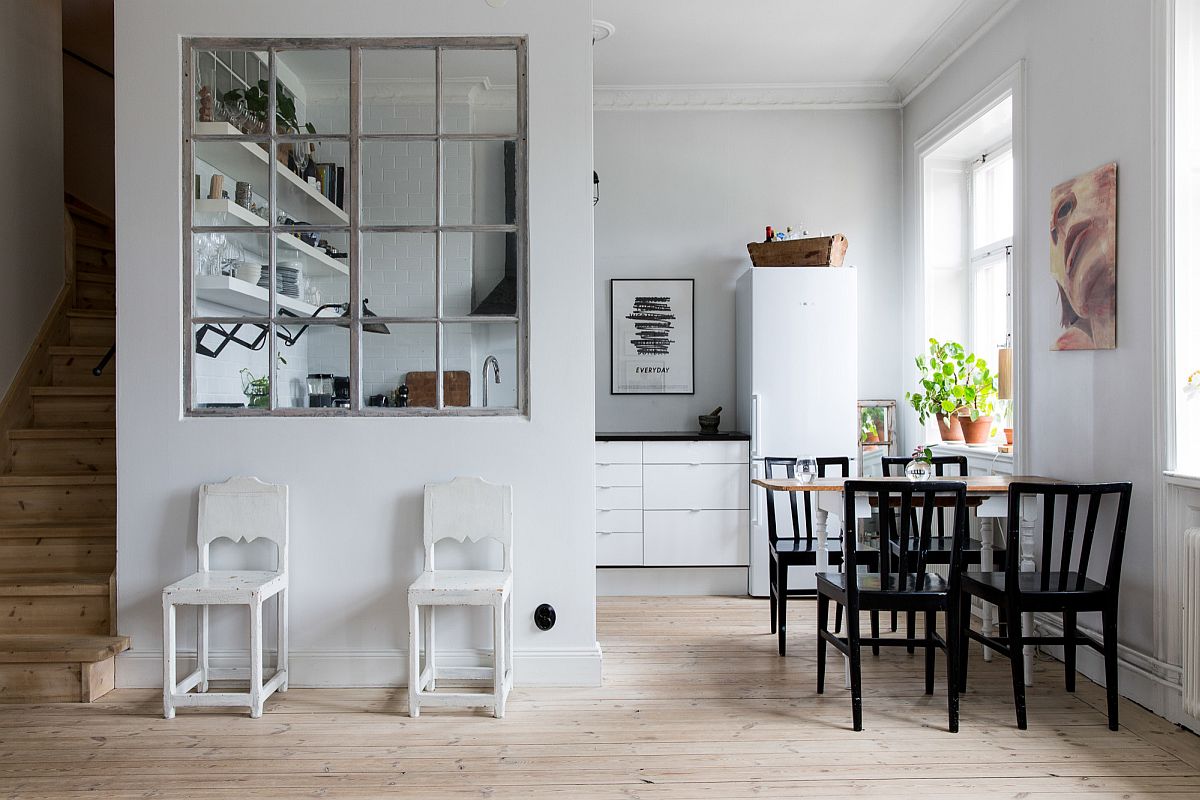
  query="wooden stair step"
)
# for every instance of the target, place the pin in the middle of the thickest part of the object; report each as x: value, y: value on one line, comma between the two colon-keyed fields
x: 64, y: 499
x: 72, y: 366
x: 18, y: 648
x: 96, y: 244
x: 90, y: 313
x: 57, y: 531
x: 9, y: 481
x: 97, y: 277
x: 63, y: 433
x: 57, y: 668
x: 53, y: 585
x: 92, y: 327
x: 73, y: 406
x: 78, y: 208
x: 60, y: 549
x: 73, y: 391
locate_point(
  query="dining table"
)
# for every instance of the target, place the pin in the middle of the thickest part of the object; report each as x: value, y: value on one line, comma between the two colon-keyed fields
x: 987, y: 495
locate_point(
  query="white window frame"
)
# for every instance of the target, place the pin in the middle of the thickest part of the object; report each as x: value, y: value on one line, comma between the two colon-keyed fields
x: 978, y: 256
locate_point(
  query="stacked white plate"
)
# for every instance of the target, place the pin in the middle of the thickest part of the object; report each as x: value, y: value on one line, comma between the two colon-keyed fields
x: 287, y: 278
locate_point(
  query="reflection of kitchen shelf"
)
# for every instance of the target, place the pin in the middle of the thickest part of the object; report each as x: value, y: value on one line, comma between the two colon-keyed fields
x: 245, y: 296
x: 239, y: 160
x: 290, y: 248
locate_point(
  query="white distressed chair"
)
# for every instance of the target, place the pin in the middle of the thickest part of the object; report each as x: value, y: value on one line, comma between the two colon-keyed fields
x: 463, y: 509
x: 238, y: 509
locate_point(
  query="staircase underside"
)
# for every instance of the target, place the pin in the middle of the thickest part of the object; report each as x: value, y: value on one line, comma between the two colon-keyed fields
x: 58, y: 632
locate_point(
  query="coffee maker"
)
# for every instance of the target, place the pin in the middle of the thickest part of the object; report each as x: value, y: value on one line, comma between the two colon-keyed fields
x: 341, y: 391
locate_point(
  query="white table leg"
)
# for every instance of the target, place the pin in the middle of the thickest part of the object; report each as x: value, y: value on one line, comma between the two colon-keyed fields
x: 821, y: 531
x: 1028, y: 518
x: 987, y: 612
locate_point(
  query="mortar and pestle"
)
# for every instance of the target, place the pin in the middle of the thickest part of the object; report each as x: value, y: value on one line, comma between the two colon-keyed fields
x: 711, y: 421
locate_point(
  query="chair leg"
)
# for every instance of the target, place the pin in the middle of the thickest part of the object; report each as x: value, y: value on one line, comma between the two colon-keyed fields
x: 430, y: 649
x: 822, y: 645
x: 508, y: 646
x: 202, y: 647
x: 168, y: 659
x: 498, y: 658
x: 414, y: 659
x: 1070, y: 633
x: 930, y: 648
x: 1016, y: 658
x: 875, y: 632
x: 853, y: 637
x: 911, y: 631
x: 1110, y: 664
x: 895, y: 620
x: 771, y: 592
x: 962, y: 625
x: 256, y: 658
x: 282, y: 633
x: 781, y: 580
x: 837, y: 618
x: 952, y: 653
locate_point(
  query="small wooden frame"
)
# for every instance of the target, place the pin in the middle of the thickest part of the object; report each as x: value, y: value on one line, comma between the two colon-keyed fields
x: 821, y: 251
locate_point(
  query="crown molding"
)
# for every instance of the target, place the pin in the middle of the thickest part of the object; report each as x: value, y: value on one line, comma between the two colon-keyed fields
x: 965, y: 26
x: 745, y: 97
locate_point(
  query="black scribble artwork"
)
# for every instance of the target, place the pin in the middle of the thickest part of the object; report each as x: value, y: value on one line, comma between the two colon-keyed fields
x: 652, y: 318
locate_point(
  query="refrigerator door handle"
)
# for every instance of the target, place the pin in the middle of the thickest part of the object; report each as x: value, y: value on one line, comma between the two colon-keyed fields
x: 755, y: 424
x: 754, y: 502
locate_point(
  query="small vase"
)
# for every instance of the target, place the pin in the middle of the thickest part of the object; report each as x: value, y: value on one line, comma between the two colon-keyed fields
x: 918, y: 470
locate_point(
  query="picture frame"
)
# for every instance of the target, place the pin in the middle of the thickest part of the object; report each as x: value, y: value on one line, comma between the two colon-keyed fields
x: 652, y: 336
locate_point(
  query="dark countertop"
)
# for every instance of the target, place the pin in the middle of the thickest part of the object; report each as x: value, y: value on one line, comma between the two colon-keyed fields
x: 672, y: 436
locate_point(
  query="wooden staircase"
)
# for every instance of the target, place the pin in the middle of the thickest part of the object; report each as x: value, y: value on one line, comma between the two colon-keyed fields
x: 58, y: 504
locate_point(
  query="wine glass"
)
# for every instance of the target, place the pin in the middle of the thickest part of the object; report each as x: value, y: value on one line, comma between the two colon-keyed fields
x: 806, y: 469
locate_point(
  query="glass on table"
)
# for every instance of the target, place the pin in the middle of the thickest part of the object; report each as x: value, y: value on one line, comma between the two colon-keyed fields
x: 806, y: 469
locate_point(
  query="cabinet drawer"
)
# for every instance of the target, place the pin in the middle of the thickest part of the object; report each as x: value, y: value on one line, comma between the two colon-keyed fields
x: 696, y: 452
x: 618, y: 452
x: 618, y: 475
x: 619, y: 497
x: 696, y: 538
x: 618, y: 549
x: 700, y: 486
x: 618, y: 520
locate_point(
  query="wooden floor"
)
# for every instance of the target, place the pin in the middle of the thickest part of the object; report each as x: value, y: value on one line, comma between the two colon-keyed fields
x: 695, y: 704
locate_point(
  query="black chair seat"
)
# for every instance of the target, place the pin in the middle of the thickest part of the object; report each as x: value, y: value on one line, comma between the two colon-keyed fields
x: 890, y: 590
x: 992, y: 586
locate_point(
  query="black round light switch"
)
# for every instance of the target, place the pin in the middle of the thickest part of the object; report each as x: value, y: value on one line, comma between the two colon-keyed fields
x: 544, y: 616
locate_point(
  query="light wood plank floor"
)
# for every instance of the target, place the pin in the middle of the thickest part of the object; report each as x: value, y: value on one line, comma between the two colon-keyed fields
x: 695, y: 704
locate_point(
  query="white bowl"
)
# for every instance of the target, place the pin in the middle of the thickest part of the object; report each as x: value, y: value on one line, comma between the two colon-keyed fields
x: 248, y: 272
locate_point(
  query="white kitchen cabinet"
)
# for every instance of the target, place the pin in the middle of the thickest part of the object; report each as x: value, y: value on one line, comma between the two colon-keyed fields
x: 679, y: 501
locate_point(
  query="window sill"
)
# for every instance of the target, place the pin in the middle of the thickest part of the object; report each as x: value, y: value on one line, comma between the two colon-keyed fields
x: 1181, y: 479
x: 988, y: 451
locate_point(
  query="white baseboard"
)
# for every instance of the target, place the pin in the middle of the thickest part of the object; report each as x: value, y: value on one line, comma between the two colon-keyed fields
x: 1143, y: 679
x: 365, y: 668
x: 670, y: 581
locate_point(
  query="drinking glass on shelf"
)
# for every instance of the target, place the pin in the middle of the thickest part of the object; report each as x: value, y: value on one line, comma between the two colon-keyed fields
x: 806, y: 469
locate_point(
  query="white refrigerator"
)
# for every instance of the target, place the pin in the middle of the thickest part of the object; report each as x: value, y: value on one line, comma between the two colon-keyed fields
x: 797, y: 383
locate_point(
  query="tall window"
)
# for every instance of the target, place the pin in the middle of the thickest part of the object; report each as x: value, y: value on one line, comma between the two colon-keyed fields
x: 991, y: 200
x: 355, y: 226
x: 1187, y: 242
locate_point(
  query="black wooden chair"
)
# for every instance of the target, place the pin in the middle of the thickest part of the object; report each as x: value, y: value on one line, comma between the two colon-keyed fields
x: 910, y: 587
x: 1063, y: 587
x: 939, y: 548
x: 799, y: 549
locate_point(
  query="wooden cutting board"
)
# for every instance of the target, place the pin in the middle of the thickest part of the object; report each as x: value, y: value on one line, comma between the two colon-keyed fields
x: 456, y: 388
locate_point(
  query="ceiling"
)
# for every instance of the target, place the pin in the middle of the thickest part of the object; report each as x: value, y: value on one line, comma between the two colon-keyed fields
x: 883, y: 49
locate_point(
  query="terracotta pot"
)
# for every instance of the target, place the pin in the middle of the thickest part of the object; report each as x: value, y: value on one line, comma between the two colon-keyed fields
x: 949, y: 428
x: 975, y: 432
x: 1008, y: 434
x: 872, y: 438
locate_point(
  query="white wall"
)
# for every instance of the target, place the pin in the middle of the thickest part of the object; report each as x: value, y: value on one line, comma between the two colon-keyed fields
x: 1089, y: 81
x: 356, y: 483
x: 31, y: 205
x: 682, y: 192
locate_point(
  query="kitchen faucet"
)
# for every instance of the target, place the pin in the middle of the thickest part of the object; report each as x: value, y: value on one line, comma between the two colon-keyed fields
x: 490, y: 360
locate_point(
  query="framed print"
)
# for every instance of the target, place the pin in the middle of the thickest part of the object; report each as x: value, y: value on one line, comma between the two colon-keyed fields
x: 1083, y: 259
x: 653, y: 336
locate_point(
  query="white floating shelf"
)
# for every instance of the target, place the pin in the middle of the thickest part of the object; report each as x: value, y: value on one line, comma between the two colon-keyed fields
x: 225, y: 212
x: 315, y: 262
x: 243, y: 296
x: 241, y: 160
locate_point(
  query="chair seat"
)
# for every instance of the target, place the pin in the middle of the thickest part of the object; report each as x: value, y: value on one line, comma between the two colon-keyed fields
x: 462, y: 585
x: 225, y: 586
x: 992, y: 586
x: 872, y: 582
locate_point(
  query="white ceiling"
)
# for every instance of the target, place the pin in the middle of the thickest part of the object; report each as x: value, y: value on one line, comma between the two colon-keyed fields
x: 871, y: 44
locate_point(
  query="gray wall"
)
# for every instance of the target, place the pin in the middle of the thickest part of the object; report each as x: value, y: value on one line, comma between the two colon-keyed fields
x: 31, y: 205
x: 1088, y: 80
x: 682, y: 192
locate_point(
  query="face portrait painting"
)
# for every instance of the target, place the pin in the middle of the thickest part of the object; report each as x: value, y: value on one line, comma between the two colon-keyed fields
x: 1083, y: 259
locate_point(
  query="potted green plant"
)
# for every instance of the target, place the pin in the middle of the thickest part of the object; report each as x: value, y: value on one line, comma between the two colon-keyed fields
x: 974, y: 396
x: 870, y: 421
x: 257, y: 390
x: 942, y: 369
x: 254, y: 100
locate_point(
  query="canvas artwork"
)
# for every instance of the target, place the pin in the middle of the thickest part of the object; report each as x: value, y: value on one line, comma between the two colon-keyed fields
x: 1083, y: 259
x: 652, y: 336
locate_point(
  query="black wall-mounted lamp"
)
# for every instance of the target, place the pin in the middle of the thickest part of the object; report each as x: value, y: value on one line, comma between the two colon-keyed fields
x: 286, y: 336
x: 595, y: 187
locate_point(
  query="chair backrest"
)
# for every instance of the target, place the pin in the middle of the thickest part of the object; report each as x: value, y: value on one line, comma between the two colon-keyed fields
x: 468, y: 509
x: 1074, y: 552
x: 893, y: 467
x: 908, y: 498
x: 823, y: 464
x: 243, y: 509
